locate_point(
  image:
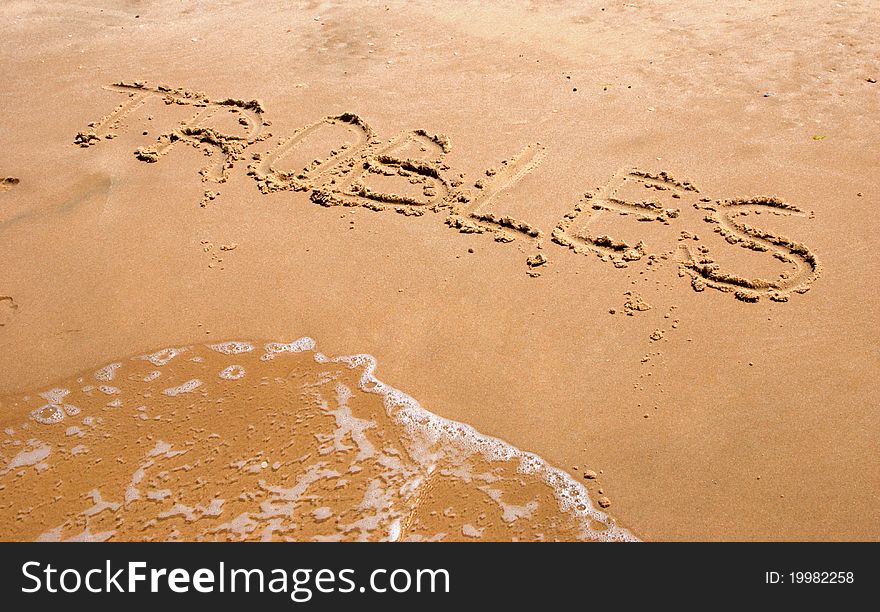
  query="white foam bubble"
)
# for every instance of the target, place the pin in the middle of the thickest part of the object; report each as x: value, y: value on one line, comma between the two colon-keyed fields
x: 109, y: 390
x: 160, y: 358
x: 511, y: 512
x: 394, y: 530
x: 348, y: 427
x: 297, y: 346
x: 322, y: 513
x: 87, y: 536
x: 51, y: 413
x: 29, y: 457
x: 215, y: 508
x: 162, y: 448
x: 470, y: 531
x: 55, y: 396
x: 232, y: 348
x: 99, y: 504
x: 187, y: 387
x: 233, y: 372
x: 108, y: 372
x: 53, y: 535
x: 48, y: 414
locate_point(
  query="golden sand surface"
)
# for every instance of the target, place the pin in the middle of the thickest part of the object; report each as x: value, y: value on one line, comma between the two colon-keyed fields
x: 634, y: 239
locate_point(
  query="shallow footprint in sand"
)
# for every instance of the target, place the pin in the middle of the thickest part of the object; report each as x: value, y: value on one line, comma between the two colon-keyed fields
x: 8, y: 308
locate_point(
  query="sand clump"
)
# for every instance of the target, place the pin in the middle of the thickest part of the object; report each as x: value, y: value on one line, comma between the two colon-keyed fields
x: 634, y: 303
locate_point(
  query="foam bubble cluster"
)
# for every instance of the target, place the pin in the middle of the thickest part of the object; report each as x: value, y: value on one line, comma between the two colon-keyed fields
x: 232, y: 348
x: 55, y: 409
x: 108, y: 372
x: 187, y: 387
x: 233, y: 372
x: 297, y: 346
x: 55, y: 396
x: 48, y: 414
x: 53, y: 413
x: 161, y: 357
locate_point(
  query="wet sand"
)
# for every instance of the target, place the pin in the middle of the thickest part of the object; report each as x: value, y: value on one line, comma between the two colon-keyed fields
x: 636, y: 240
x: 251, y: 441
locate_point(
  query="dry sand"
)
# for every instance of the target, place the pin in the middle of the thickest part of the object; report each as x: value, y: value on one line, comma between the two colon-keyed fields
x: 631, y: 238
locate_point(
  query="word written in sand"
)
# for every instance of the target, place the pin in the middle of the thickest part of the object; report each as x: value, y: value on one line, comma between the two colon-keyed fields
x: 340, y: 161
